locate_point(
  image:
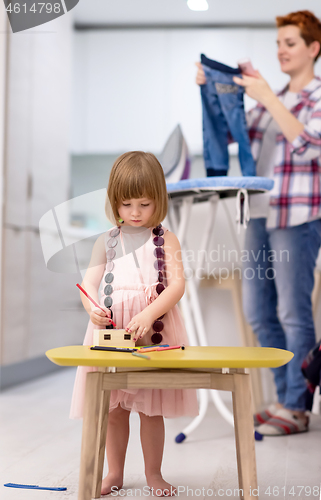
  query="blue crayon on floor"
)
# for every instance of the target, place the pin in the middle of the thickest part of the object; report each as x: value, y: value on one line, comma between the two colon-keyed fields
x: 32, y: 487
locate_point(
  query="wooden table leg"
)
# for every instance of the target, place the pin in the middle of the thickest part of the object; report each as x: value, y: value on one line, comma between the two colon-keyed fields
x: 93, y: 437
x: 244, y: 436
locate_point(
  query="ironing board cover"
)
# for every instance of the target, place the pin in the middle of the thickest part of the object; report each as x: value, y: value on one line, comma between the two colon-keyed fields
x: 221, y: 183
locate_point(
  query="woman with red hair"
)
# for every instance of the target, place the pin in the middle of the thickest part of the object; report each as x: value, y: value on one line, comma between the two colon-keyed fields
x: 285, y: 225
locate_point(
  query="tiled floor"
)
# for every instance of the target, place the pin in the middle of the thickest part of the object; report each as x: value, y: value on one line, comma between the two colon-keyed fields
x: 40, y: 445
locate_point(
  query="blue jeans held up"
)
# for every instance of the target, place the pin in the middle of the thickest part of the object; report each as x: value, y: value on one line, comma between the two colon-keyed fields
x: 223, y: 113
x: 277, y: 285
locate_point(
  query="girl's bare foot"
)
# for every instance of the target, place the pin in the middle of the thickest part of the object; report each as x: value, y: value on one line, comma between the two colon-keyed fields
x: 159, y: 487
x: 112, y: 482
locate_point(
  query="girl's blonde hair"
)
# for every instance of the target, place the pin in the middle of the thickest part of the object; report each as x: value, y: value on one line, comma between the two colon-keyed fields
x: 136, y: 174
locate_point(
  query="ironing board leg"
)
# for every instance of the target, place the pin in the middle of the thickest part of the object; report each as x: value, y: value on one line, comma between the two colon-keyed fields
x: 93, y: 437
x: 244, y: 436
x: 203, y: 404
x: 188, y: 320
x: 178, y: 220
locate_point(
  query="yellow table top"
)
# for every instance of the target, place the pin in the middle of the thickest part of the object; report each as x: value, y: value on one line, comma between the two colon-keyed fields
x: 190, y: 357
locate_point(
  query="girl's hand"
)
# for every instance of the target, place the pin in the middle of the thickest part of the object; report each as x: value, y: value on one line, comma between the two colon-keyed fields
x: 200, y: 75
x: 255, y: 87
x: 99, y: 318
x: 142, y: 323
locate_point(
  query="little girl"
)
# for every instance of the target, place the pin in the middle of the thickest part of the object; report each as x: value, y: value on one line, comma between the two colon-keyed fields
x: 138, y: 263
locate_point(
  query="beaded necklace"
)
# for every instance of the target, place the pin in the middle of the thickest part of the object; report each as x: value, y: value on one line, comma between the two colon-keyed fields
x: 159, y: 265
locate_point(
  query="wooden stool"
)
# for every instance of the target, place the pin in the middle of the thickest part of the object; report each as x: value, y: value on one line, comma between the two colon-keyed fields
x: 221, y: 368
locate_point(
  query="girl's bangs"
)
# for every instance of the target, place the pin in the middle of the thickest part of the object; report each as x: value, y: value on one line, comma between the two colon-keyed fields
x: 134, y: 188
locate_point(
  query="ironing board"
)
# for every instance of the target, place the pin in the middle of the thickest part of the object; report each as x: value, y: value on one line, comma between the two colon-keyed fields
x: 182, y: 196
x: 221, y: 368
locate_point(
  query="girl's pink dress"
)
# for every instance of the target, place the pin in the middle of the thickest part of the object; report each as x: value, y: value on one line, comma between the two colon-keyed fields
x: 134, y: 287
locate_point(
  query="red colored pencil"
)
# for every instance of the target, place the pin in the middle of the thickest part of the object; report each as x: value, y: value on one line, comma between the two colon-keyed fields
x: 169, y: 348
x: 156, y: 348
x: 93, y: 301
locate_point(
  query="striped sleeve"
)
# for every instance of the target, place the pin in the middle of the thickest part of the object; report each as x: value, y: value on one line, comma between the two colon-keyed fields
x: 307, y: 146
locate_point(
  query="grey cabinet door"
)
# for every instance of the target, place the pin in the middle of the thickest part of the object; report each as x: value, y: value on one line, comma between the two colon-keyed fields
x: 41, y: 309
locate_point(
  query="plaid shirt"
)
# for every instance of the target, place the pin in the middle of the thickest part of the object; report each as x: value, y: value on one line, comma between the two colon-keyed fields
x: 296, y: 195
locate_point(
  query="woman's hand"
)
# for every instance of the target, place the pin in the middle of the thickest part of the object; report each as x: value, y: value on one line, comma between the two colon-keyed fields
x: 142, y: 323
x: 99, y: 318
x: 259, y: 89
x: 256, y: 87
x: 200, y: 75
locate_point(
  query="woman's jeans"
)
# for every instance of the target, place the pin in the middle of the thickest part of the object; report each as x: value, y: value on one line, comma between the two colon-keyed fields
x: 278, y: 266
x: 223, y: 118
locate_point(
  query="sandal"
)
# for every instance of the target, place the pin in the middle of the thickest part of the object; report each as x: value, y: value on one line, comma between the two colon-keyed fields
x: 265, y: 415
x: 282, y: 423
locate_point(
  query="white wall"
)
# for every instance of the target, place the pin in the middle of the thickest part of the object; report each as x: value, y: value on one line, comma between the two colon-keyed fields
x: 131, y: 87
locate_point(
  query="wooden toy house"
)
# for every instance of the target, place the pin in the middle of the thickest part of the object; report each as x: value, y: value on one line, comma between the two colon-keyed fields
x: 113, y: 338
